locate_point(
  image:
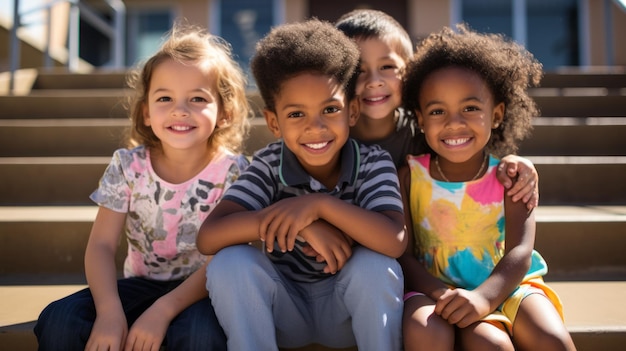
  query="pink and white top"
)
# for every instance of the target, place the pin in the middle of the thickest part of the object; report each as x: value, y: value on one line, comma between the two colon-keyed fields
x: 163, y: 219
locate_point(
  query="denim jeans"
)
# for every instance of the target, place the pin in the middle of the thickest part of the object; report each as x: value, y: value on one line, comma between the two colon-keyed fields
x: 65, y: 325
x: 260, y: 309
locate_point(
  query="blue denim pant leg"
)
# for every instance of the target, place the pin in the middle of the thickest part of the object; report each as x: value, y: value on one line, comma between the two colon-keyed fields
x: 255, y: 305
x: 196, y: 328
x: 65, y: 325
x: 371, y: 285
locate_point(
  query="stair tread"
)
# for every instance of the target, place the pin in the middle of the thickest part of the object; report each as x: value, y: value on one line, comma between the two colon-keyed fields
x: 538, y: 160
x: 88, y: 213
x: 588, y: 306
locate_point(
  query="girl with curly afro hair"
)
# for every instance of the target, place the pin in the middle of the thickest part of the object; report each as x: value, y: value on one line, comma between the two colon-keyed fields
x: 474, y: 280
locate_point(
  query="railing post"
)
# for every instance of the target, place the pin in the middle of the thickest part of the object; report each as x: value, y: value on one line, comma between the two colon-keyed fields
x: 74, y: 37
x: 15, y: 46
x: 119, y: 24
x: 46, y: 51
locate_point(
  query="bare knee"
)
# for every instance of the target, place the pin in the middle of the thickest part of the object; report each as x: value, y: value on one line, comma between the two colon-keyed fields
x: 538, y: 326
x: 484, y: 336
x: 422, y: 329
x: 556, y: 340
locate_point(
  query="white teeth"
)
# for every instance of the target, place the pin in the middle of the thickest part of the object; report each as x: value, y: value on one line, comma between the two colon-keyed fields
x: 375, y: 99
x: 180, y: 128
x: 317, y: 146
x: 455, y: 142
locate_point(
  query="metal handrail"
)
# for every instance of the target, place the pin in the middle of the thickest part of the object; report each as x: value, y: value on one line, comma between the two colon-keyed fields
x: 115, y: 31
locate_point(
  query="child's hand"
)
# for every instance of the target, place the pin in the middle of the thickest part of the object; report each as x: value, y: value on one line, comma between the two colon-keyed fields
x: 108, y: 333
x: 519, y: 176
x: 148, y: 331
x: 462, y: 307
x: 327, y: 244
x: 283, y: 221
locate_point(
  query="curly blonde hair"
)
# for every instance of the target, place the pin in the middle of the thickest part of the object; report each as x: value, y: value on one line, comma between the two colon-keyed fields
x: 507, y: 68
x: 188, y: 43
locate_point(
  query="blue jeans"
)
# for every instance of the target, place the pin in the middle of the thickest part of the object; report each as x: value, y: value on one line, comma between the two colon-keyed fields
x: 260, y: 309
x: 65, y: 325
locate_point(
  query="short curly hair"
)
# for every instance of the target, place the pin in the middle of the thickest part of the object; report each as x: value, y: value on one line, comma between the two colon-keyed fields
x: 363, y: 24
x: 312, y: 46
x: 507, y: 68
x: 194, y: 45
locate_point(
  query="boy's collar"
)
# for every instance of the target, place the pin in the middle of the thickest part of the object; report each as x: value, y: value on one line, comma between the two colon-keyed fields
x: 291, y: 172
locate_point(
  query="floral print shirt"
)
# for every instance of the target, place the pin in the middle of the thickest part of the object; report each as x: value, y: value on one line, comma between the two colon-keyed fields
x: 163, y: 219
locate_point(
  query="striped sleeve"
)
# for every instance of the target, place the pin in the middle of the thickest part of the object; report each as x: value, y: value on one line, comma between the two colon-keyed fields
x: 255, y: 188
x: 378, y: 186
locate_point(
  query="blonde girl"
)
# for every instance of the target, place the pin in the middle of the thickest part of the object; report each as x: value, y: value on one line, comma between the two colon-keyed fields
x: 189, y: 117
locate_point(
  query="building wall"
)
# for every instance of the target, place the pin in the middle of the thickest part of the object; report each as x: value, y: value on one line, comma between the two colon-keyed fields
x: 420, y: 17
x: 427, y: 16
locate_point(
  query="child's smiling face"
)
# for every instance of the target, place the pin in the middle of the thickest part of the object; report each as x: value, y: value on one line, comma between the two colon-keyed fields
x: 182, y: 107
x: 457, y: 113
x: 379, y: 85
x: 313, y: 118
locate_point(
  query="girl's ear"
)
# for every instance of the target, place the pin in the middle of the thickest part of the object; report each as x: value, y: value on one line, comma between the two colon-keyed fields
x: 498, y: 115
x: 223, y: 121
x: 272, y: 122
x: 146, y: 114
x: 420, y: 120
x: 355, y: 111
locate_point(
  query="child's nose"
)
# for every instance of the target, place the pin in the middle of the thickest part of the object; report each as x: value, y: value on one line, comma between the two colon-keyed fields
x: 455, y: 119
x: 180, y: 110
x: 374, y: 80
x: 316, y: 122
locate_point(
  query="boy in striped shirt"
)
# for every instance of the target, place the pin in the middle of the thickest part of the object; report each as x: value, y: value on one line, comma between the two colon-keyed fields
x: 327, y: 209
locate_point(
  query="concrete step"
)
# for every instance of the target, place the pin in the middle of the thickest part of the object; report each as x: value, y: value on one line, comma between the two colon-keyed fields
x: 611, y: 79
x: 581, y: 106
x: 49, y: 180
x: 563, y: 180
x: 101, y: 136
x: 62, y: 137
x: 79, y: 103
x: 57, y: 235
x: 61, y: 79
x: 105, y: 103
x: 593, y: 314
x: 85, y: 136
x: 581, y: 180
x: 569, y: 136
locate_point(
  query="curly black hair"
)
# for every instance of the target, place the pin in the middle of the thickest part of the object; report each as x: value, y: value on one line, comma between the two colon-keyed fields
x: 507, y: 68
x: 311, y: 46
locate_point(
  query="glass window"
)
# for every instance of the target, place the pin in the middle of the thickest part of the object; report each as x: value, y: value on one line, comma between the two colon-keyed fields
x: 553, y: 32
x: 551, y: 27
x: 145, y: 33
x: 489, y: 16
x: 242, y: 23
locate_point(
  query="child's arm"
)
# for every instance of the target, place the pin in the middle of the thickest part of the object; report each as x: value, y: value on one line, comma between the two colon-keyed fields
x: 228, y: 224
x: 380, y: 231
x: 110, y: 327
x: 519, y: 176
x: 463, y: 307
x: 150, y: 328
x: 416, y: 277
x: 327, y: 244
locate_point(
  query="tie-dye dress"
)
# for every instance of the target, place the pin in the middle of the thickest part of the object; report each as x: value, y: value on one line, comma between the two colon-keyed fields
x: 459, y: 233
